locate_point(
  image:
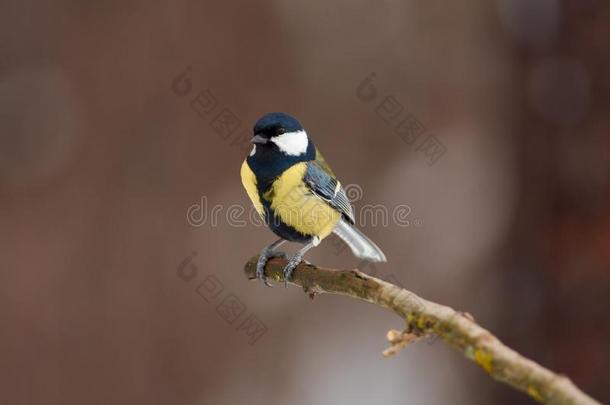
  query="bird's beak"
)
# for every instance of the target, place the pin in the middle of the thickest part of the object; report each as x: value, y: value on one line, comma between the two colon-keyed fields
x: 258, y: 139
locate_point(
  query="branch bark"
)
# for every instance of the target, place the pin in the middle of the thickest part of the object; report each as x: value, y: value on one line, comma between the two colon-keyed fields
x: 423, y: 317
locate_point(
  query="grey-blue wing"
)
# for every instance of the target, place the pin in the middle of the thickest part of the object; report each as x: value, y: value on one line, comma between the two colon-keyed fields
x: 328, y: 188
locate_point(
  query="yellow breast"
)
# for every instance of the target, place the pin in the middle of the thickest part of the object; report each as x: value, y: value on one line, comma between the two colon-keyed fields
x: 294, y: 203
x: 248, y: 179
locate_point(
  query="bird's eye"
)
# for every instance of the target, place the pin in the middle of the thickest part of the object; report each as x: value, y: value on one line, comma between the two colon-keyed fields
x: 280, y: 131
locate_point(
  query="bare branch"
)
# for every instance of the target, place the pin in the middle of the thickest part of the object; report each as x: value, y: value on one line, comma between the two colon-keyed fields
x: 423, y: 317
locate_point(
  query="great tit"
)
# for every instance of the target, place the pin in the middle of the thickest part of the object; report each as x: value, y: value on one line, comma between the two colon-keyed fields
x: 296, y: 193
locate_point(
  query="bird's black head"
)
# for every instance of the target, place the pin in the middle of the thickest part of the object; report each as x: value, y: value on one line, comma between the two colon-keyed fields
x: 279, y: 142
x: 275, y: 124
x: 280, y: 133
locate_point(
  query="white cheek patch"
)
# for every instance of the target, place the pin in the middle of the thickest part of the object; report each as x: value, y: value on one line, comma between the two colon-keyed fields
x: 292, y: 143
x: 253, y: 150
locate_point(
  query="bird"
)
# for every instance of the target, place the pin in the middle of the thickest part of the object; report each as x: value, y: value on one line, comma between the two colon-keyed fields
x: 296, y: 194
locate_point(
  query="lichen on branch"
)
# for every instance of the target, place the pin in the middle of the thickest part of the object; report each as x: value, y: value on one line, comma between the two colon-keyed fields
x: 423, y: 317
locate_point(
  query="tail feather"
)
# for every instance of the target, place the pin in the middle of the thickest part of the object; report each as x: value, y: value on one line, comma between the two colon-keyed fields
x: 360, y: 245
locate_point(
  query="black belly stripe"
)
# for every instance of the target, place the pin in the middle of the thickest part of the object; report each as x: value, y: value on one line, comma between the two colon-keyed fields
x: 280, y: 228
x: 267, y: 166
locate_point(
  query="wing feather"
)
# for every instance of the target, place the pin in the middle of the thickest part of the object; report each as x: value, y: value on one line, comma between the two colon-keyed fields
x: 322, y: 183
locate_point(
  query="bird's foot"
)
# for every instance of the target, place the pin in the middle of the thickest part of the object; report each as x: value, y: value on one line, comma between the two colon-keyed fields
x: 292, y: 264
x: 264, y: 257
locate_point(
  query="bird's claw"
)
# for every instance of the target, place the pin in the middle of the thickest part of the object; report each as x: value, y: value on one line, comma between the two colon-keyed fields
x: 264, y: 257
x: 292, y: 264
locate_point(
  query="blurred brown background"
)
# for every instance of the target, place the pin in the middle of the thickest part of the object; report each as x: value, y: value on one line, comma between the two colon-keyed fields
x: 101, y: 156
